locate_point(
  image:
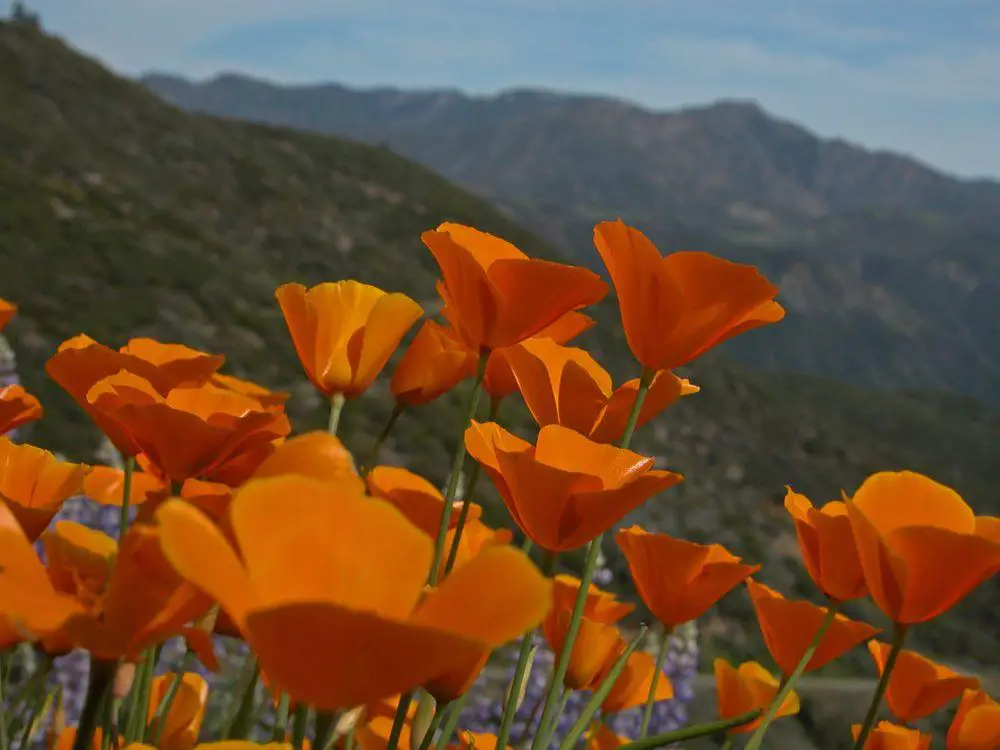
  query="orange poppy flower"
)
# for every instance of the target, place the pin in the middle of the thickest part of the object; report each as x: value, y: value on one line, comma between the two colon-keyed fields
x: 416, y: 498
x: 192, y: 433
x: 976, y: 725
x: 7, y: 312
x: 679, y: 581
x: 327, y: 590
x: 373, y: 734
x: 272, y: 400
x: 499, y: 380
x: 456, y: 682
x: 187, y: 712
x: 17, y: 407
x: 494, y: 295
x: 566, y: 489
x: 345, y: 332
x: 476, y: 536
x: 34, y: 484
x: 603, y: 737
x: 600, y: 606
x: 746, y: 688
x: 466, y: 740
x: 789, y: 626
x: 318, y: 455
x: 80, y: 363
x: 105, y: 485
x: 434, y: 363
x: 918, y: 687
x: 676, y: 308
x: 631, y: 689
x: 904, y: 525
x: 563, y: 385
x: 887, y: 736
x: 91, y: 594
x: 827, y: 545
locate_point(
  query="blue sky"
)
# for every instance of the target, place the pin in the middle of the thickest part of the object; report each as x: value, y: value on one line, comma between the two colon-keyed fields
x: 917, y: 76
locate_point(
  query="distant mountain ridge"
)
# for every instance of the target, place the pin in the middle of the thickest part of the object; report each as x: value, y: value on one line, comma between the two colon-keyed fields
x: 891, y: 269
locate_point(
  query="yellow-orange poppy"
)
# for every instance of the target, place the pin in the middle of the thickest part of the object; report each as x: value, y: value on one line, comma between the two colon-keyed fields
x: 976, y: 725
x: 676, y: 308
x: 466, y: 740
x: 416, y: 498
x: 746, y: 688
x: 106, y: 485
x: 566, y: 386
x: 7, y: 312
x: 318, y: 455
x: 187, y: 712
x: 499, y: 379
x: 888, y: 736
x: 790, y: 625
x: 631, y: 689
x: 274, y: 400
x: 345, y: 332
x: 827, y: 545
x: 904, y: 525
x: 34, y: 484
x: 476, y: 536
x: 918, y: 687
x: 494, y: 295
x: 328, y: 590
x: 434, y: 363
x: 17, y: 407
x: 678, y: 580
x: 92, y: 594
x: 566, y: 489
x: 603, y: 737
x: 192, y: 433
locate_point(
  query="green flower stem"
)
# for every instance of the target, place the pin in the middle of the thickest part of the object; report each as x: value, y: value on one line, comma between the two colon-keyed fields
x: 594, y: 704
x: 399, y: 720
x: 325, y: 723
x: 432, y: 728
x: 41, y: 702
x: 138, y: 701
x: 280, y: 720
x: 351, y: 741
x: 157, y: 725
x: 240, y: 725
x: 451, y: 723
x: 28, y: 696
x: 727, y: 742
x: 102, y: 675
x: 336, y: 406
x: 300, y: 720
x: 534, y: 711
x: 4, y: 741
x: 376, y: 450
x: 898, y: 636
x: 456, y: 470
x: 692, y: 733
x: 787, y: 683
x: 126, y: 496
x: 661, y: 655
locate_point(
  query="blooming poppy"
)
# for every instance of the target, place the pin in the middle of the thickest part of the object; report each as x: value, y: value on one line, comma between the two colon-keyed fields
x: 918, y: 687
x: 790, y: 625
x: 187, y: 712
x: 564, y: 385
x: 466, y: 740
x: 106, y: 485
x: 499, y: 379
x: 345, y: 332
x: 676, y: 308
x: 416, y: 498
x: 631, y: 689
x: 34, y: 484
x: 316, y: 454
x: 678, y: 580
x: 827, y: 545
x: 905, y: 525
x: 434, y: 363
x: 566, y: 489
x: 7, y: 312
x: 192, y: 433
x: 888, y: 736
x: 494, y: 295
x: 91, y: 593
x: 603, y: 737
x: 976, y: 725
x: 328, y: 590
x: 746, y: 688
x: 269, y: 399
x: 17, y: 407
x: 80, y: 363
x: 476, y: 536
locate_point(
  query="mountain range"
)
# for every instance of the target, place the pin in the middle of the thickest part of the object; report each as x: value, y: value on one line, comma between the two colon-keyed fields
x: 890, y: 268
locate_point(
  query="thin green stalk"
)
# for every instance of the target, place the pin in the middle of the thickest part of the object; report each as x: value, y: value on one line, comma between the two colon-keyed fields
x: 661, y: 655
x: 108, y: 723
x: 455, y: 709
x: 788, y: 683
x: 376, y: 450
x: 157, y: 725
x: 281, y: 719
x: 102, y: 674
x: 534, y: 711
x: 42, y: 704
x: 727, y: 742
x: 594, y: 704
x: 399, y: 720
x: 467, y: 496
x: 456, y: 471
x: 336, y: 406
x: 691, y: 733
x: 432, y: 728
x: 325, y: 723
x: 240, y: 725
x: 126, y: 496
x: 351, y: 741
x: 27, y: 696
x: 898, y: 636
x: 4, y: 741
x: 300, y: 720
